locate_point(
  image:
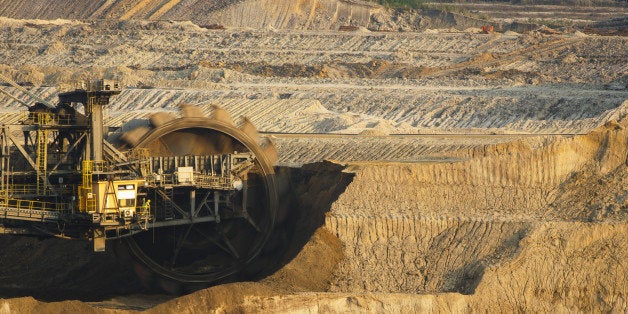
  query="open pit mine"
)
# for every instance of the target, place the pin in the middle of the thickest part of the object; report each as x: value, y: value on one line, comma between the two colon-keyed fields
x: 311, y: 156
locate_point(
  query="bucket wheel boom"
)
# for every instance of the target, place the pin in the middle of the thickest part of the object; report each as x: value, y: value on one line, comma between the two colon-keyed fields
x: 211, y: 192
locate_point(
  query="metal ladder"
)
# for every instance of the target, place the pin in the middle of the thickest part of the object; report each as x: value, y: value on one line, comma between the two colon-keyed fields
x: 168, y: 194
x: 42, y: 152
x: 86, y: 198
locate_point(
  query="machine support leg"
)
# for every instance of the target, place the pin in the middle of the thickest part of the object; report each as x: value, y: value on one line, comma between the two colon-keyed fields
x: 192, y: 203
x: 99, y: 240
x: 216, y: 201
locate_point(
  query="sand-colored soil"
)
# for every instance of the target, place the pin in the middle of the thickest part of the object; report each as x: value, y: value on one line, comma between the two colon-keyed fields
x: 444, y: 170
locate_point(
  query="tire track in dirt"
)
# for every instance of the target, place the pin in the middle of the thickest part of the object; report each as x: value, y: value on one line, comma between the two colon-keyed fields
x: 510, y: 57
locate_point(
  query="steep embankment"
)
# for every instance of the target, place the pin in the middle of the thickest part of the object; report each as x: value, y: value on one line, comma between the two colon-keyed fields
x: 492, y: 221
x: 303, y: 14
x: 283, y: 14
x: 556, y: 267
x: 313, y: 14
x: 111, y: 9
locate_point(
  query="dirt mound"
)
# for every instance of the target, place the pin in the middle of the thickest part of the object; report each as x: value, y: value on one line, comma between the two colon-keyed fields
x: 224, y: 298
x: 30, y: 305
x: 308, y: 271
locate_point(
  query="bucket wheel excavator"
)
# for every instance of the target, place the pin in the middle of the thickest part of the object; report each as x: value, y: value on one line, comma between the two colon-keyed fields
x: 191, y: 195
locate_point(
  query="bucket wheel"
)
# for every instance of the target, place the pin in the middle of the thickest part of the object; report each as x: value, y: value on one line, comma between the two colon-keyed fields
x: 207, y: 251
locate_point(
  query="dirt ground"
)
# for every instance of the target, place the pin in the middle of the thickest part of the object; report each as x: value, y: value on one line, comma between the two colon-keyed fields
x: 423, y: 165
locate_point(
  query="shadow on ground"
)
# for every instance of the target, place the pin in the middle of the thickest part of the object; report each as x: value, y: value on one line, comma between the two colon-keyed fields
x: 52, y: 269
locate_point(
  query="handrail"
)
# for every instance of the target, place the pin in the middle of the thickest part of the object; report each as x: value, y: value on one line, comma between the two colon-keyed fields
x: 45, y: 118
x: 31, y: 189
x: 34, y: 205
x: 200, y: 180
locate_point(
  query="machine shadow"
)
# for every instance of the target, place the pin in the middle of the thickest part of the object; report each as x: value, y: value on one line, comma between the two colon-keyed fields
x: 306, y: 194
x: 52, y: 269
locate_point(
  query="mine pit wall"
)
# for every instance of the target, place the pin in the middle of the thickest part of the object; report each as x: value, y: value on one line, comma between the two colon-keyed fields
x: 559, y: 267
x: 284, y: 14
x: 562, y: 266
x: 506, y: 181
x: 287, y: 14
x: 303, y: 14
x: 485, y: 227
x: 419, y: 255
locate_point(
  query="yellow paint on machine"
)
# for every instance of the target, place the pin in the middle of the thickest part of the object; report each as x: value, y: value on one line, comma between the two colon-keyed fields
x: 114, y: 196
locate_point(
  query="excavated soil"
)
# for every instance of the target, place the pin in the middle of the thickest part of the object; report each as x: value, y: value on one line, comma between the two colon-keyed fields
x: 439, y: 169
